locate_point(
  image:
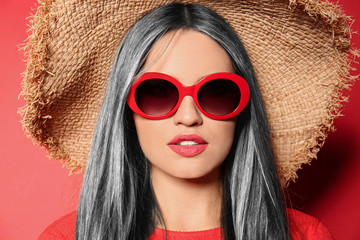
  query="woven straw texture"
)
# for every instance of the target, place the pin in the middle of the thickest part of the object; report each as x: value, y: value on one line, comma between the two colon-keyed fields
x: 300, y: 50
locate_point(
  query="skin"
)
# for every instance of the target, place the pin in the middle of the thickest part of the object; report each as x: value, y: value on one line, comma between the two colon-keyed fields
x: 187, y: 188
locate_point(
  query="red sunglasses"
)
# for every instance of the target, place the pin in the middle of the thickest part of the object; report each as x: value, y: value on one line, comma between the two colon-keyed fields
x: 218, y: 96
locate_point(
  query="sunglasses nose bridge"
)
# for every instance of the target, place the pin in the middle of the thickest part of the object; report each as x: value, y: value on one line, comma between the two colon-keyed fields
x: 188, y: 91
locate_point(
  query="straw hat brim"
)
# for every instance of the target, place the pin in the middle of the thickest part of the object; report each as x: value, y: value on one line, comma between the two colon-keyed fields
x: 300, y: 51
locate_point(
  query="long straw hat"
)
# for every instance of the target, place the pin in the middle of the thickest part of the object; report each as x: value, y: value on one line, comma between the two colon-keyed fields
x: 300, y: 50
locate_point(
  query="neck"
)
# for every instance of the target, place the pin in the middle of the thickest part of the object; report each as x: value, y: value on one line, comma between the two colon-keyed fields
x: 188, y: 204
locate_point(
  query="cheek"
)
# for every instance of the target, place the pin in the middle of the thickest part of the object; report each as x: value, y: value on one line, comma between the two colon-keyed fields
x: 151, y: 135
x: 221, y: 135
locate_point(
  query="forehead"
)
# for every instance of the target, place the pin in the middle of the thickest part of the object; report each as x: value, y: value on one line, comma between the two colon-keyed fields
x: 187, y: 55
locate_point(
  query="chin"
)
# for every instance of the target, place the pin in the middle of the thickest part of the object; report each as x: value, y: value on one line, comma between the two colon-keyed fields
x: 197, y: 174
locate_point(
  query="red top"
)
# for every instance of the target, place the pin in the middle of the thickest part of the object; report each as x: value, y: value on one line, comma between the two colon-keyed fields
x: 302, y: 226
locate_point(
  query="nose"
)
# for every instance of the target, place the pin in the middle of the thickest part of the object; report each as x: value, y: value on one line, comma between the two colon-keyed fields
x: 188, y: 114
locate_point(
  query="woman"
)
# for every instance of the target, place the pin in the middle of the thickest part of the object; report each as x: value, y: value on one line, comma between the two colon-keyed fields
x: 202, y: 166
x: 245, y: 193
x: 181, y: 165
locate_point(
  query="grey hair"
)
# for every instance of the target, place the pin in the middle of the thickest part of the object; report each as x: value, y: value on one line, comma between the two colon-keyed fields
x: 117, y: 200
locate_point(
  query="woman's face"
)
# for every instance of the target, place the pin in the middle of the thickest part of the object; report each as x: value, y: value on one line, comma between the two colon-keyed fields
x: 188, y: 56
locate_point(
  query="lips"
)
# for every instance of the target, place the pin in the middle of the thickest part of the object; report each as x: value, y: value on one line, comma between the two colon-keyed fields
x: 188, y: 145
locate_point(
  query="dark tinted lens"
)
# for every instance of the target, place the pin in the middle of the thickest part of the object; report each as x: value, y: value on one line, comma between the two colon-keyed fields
x: 156, y: 97
x: 219, y: 97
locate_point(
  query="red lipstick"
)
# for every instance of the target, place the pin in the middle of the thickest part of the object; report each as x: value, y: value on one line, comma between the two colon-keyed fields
x: 188, y: 145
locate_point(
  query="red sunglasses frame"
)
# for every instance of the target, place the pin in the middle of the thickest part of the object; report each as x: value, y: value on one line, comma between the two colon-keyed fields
x: 190, y: 91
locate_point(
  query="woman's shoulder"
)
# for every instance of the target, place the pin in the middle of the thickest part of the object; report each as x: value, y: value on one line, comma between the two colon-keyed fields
x: 61, y: 229
x: 304, y: 226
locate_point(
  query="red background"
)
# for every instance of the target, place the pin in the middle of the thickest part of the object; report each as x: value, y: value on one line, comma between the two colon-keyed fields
x: 35, y: 191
